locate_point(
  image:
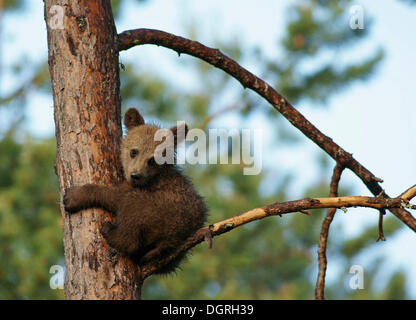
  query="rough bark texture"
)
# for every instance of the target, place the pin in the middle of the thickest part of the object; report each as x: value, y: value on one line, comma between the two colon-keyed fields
x: 83, y: 63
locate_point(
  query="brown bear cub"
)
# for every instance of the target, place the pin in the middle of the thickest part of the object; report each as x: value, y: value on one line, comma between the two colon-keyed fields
x: 156, y: 208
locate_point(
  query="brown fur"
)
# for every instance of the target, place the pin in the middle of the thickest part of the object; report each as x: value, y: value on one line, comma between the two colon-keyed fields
x: 155, y: 212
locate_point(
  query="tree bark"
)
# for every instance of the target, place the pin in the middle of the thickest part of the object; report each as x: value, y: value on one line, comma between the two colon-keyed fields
x: 84, y: 68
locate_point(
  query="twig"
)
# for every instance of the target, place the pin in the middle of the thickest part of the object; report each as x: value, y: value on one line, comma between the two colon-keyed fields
x: 214, y: 57
x: 323, y: 238
x: 380, y: 226
x: 307, y: 212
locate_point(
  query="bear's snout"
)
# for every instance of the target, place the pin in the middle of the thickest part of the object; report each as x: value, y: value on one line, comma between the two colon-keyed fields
x: 139, y: 180
x: 136, y: 176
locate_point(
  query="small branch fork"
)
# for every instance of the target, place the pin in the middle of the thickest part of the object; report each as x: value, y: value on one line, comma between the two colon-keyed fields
x: 344, y: 160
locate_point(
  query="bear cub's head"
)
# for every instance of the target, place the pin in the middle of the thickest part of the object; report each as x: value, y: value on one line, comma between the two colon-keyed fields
x: 139, y: 148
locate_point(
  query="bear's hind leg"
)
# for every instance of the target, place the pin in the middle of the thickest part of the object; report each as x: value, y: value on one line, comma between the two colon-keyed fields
x: 160, y: 251
x: 117, y: 238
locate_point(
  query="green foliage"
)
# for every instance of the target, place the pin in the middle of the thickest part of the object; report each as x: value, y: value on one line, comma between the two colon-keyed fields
x: 39, y: 81
x: 30, y: 223
x: 9, y: 5
x: 316, y: 33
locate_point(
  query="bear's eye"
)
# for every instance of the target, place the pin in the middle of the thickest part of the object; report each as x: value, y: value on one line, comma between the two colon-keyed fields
x: 134, y: 153
x: 151, y: 161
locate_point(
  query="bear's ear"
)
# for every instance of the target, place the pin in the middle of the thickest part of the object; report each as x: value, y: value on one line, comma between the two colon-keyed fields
x: 179, y: 132
x: 133, y: 118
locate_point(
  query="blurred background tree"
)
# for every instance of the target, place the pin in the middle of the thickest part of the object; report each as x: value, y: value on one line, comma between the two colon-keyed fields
x: 269, y: 259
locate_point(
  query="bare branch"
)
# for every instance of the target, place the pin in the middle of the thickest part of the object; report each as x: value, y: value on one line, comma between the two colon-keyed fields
x: 409, y: 194
x: 323, y: 238
x: 214, y: 57
x: 278, y: 208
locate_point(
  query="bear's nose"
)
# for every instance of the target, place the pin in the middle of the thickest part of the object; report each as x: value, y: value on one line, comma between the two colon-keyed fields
x: 136, y: 175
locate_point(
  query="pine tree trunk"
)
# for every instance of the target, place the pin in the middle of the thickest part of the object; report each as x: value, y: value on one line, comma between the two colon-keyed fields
x: 83, y: 63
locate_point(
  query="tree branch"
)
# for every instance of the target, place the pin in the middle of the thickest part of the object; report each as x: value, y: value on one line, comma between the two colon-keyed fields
x: 380, y: 226
x: 409, y: 194
x: 214, y: 57
x: 278, y: 208
x: 323, y: 238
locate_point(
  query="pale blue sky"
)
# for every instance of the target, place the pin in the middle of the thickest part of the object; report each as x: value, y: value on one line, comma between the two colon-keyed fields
x: 375, y: 120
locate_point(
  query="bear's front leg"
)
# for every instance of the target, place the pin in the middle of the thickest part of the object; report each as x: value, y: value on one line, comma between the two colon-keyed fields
x: 91, y: 196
